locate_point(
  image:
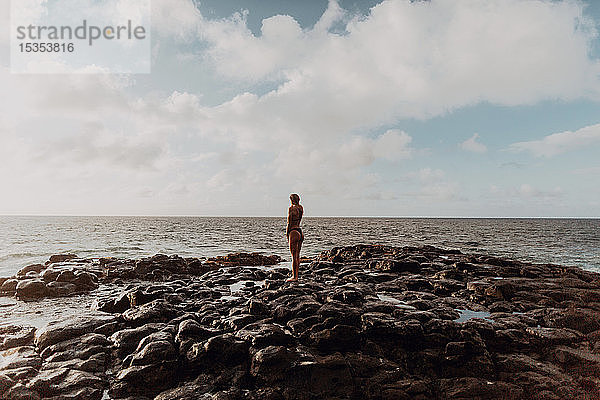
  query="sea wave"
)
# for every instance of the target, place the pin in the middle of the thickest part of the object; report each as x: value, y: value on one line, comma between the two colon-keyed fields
x: 32, y: 239
x: 10, y: 256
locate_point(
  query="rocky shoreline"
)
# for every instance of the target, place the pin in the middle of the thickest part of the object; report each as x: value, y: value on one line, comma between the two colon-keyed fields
x: 364, y: 322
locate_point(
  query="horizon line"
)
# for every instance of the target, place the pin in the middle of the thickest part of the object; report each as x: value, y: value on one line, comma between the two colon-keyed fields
x: 283, y: 216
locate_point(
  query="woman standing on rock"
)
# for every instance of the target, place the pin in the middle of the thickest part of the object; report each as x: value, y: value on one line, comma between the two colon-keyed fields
x: 294, y: 233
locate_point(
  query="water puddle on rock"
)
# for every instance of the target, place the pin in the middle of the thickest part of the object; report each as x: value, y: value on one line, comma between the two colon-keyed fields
x: 229, y: 298
x: 267, y: 268
x: 39, y: 313
x: 466, y: 315
x: 236, y: 287
x: 270, y: 268
x: 395, y: 302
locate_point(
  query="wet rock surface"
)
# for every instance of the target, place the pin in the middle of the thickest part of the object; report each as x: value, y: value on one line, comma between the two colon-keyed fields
x: 61, y: 276
x: 364, y: 322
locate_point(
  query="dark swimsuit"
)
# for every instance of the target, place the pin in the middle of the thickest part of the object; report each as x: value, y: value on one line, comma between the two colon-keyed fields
x: 296, y: 228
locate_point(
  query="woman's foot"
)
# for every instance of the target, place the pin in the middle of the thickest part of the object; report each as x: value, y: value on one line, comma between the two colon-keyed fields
x: 292, y: 279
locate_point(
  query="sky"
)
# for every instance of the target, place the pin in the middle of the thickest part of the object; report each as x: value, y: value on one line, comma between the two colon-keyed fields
x: 475, y: 108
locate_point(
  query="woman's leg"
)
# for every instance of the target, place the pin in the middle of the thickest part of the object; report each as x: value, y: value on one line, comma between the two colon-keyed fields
x: 294, y: 239
x: 296, y: 263
x: 298, y: 248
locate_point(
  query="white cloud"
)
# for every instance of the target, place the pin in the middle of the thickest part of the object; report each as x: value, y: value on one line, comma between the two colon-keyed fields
x: 418, y: 59
x: 332, y: 14
x: 182, y: 104
x: 4, y: 25
x: 561, y: 142
x: 176, y: 18
x: 402, y: 60
x: 393, y: 145
x: 526, y: 191
x: 430, y: 185
x: 26, y: 10
x: 438, y: 191
x: 222, y: 180
x: 427, y: 175
x: 96, y: 145
x: 339, y: 168
x: 473, y: 145
x: 280, y: 49
x: 512, y: 164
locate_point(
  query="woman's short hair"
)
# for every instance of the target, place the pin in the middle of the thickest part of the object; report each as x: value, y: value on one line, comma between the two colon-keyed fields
x: 295, y: 198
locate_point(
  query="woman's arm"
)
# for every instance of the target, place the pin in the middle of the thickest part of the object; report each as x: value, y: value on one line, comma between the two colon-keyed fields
x: 289, y: 218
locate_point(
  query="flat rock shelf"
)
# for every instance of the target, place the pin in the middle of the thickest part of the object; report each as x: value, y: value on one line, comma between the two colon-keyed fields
x: 363, y: 322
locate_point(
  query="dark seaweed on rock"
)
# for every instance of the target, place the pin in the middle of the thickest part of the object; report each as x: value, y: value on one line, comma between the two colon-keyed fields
x: 364, y: 322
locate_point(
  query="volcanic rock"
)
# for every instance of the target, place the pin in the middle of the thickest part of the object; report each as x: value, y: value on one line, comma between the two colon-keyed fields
x: 363, y: 322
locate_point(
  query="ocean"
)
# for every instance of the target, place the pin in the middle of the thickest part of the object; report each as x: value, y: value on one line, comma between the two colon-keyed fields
x: 32, y: 239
